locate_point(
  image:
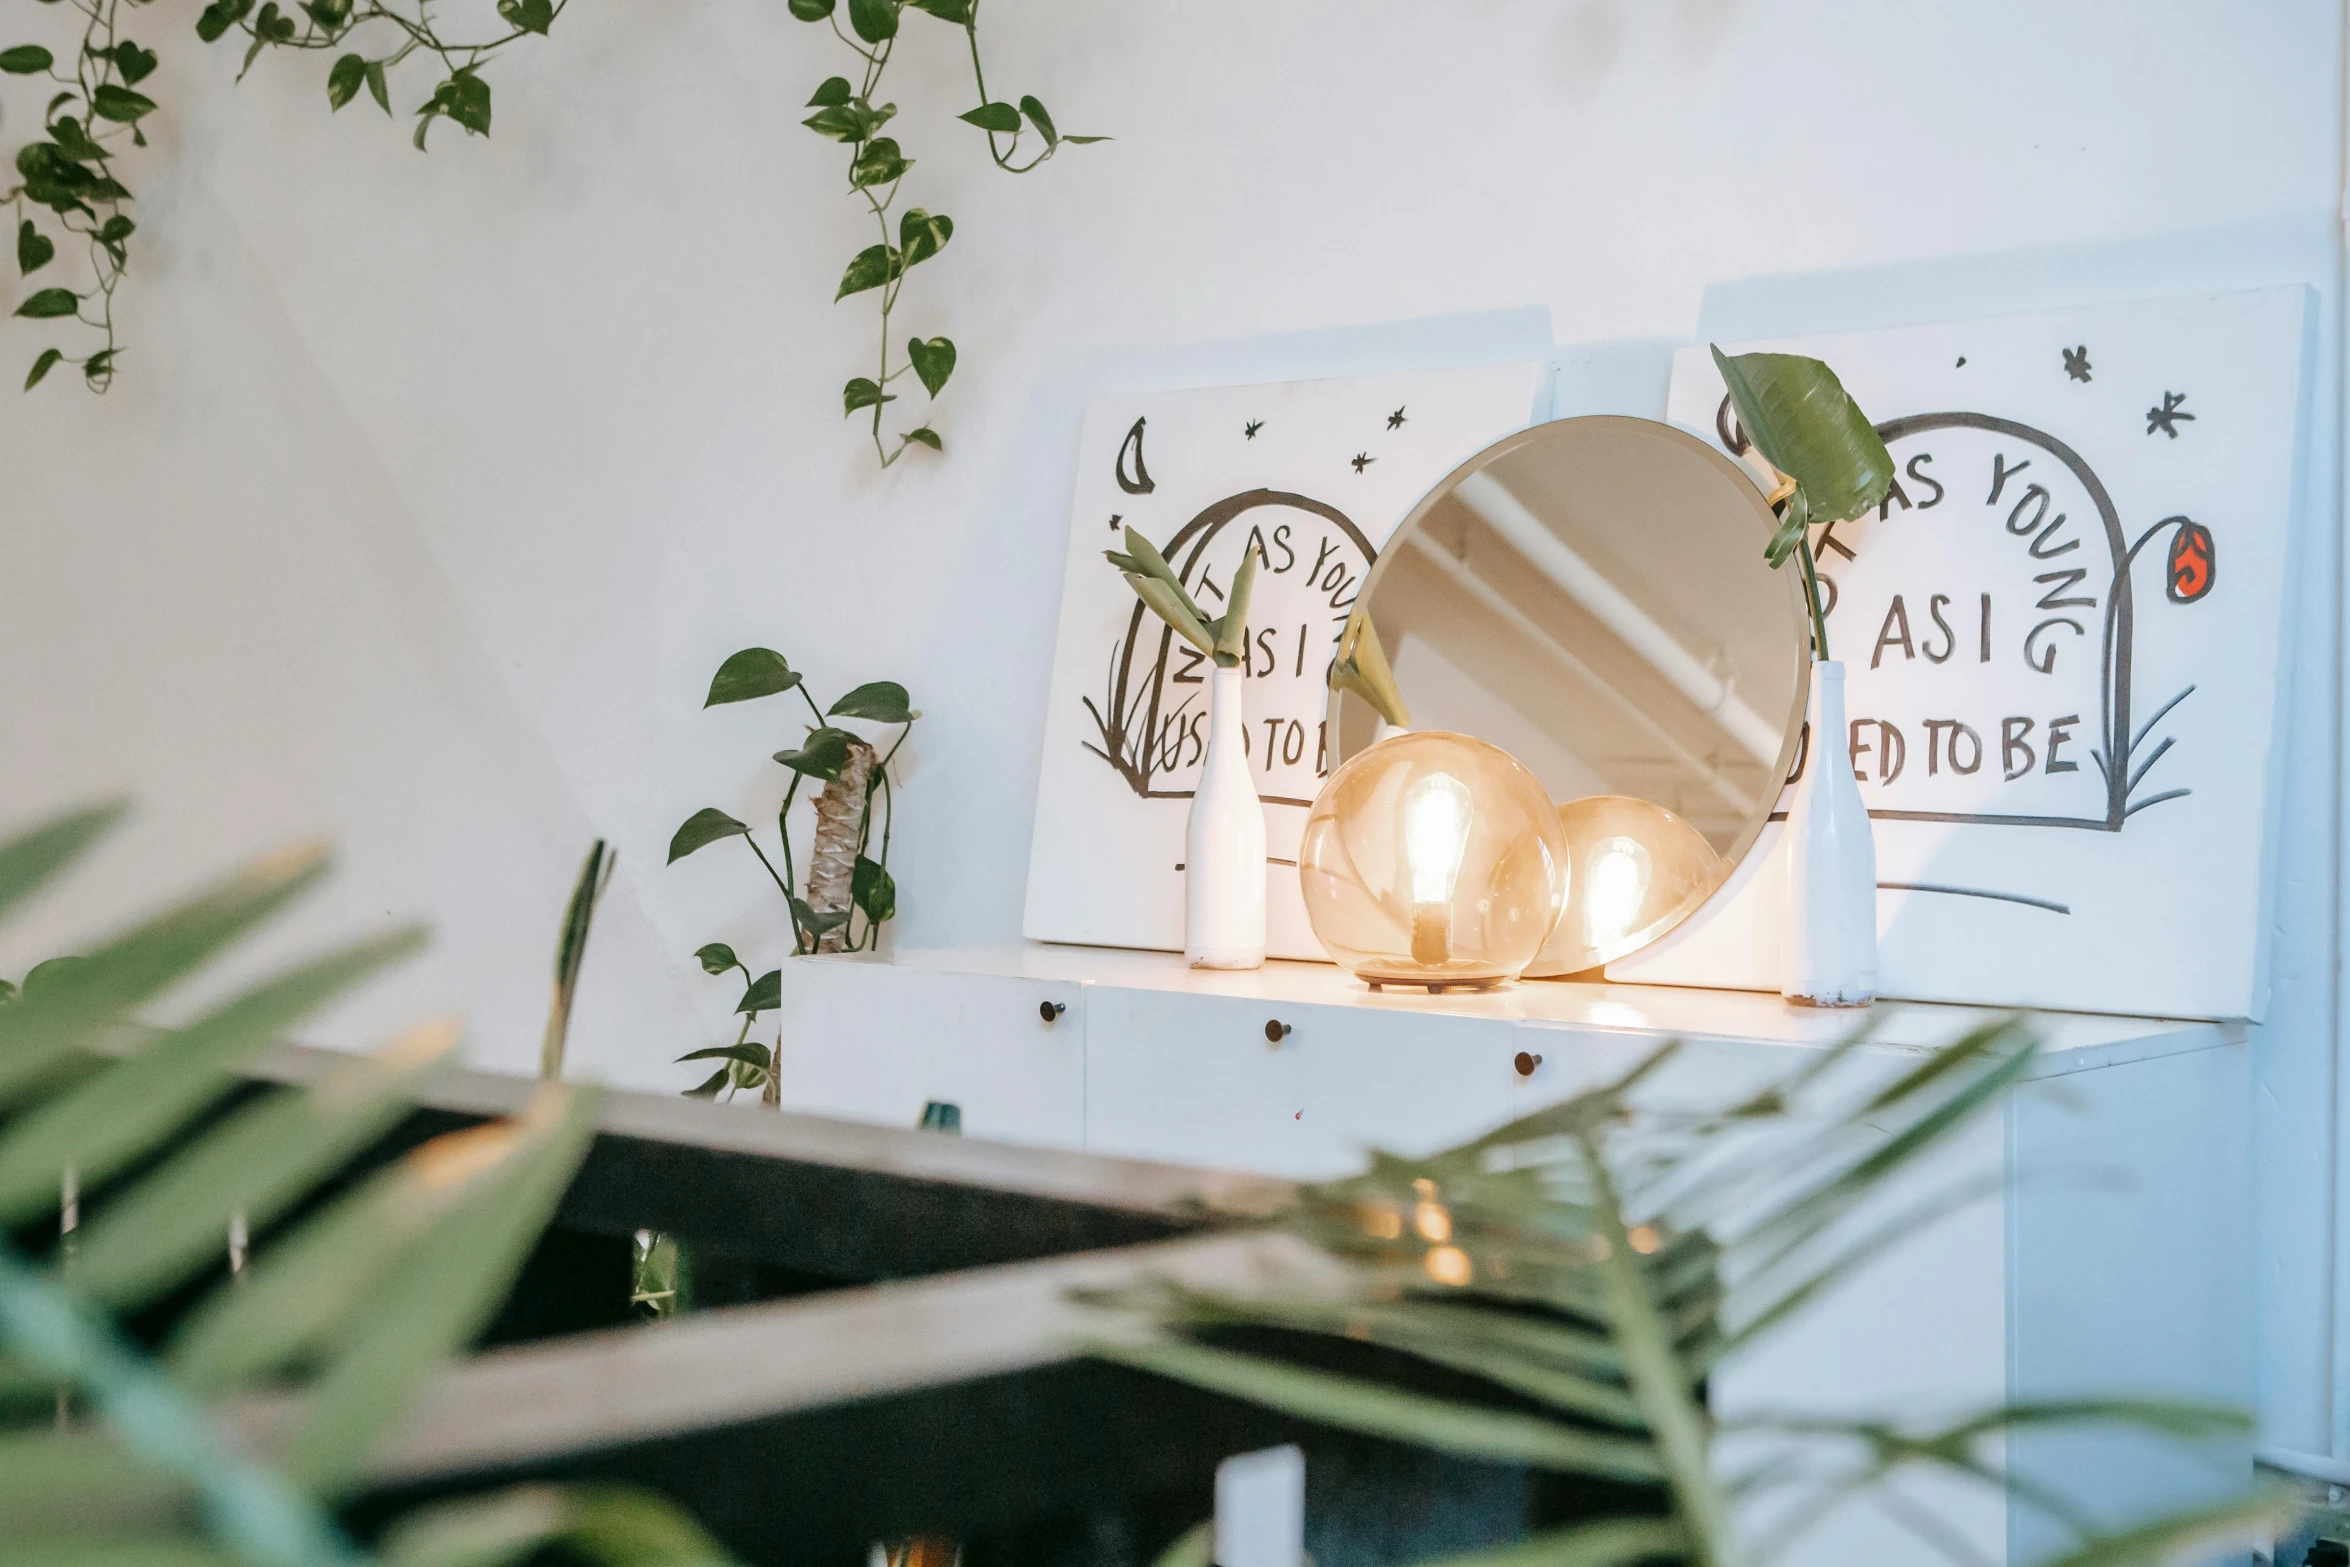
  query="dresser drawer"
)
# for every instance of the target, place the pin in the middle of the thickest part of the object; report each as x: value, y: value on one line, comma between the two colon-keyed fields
x: 867, y: 1041
x: 1196, y: 1079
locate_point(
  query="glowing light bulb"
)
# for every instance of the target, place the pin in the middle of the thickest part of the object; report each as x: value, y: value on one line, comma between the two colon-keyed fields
x: 1615, y: 889
x: 1436, y: 815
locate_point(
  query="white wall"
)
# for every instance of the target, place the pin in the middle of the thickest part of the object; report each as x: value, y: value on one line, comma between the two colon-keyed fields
x: 435, y: 486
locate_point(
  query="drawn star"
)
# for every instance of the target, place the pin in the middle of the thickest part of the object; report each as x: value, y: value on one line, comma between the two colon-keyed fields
x: 1254, y: 425
x: 1395, y: 420
x: 1364, y: 460
x: 2076, y: 362
x: 1116, y: 518
x: 2167, y: 417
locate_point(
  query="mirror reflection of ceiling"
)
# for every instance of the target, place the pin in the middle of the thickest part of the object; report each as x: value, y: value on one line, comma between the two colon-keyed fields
x: 1591, y: 596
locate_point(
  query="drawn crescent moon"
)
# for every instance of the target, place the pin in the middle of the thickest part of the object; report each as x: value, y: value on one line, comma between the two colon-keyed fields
x: 1141, y: 483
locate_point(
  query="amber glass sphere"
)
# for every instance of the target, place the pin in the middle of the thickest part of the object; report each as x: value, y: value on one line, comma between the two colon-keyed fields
x: 1433, y: 859
x: 1634, y: 871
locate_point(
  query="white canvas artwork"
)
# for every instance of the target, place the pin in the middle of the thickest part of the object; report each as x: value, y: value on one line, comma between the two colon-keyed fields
x: 1316, y: 474
x: 2064, y: 636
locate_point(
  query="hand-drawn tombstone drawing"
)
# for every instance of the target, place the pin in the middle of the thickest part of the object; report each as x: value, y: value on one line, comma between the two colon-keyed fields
x: 1207, y: 475
x: 2027, y: 564
x: 2070, y: 773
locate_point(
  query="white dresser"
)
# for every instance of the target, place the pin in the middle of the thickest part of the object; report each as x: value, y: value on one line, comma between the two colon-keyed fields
x: 2110, y: 1253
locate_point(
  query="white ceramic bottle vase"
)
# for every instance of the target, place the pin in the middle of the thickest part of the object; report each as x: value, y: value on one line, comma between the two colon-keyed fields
x: 1831, y: 866
x: 1224, y: 846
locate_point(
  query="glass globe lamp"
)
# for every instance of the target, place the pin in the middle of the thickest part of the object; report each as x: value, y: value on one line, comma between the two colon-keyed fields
x: 1634, y: 871
x: 1433, y: 859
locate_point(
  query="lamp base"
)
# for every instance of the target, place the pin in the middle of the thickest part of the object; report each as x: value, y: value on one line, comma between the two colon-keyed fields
x: 1436, y: 987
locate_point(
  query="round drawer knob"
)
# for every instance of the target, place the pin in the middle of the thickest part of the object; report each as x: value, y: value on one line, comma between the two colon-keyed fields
x: 1051, y: 1011
x: 1527, y: 1062
x: 1276, y: 1030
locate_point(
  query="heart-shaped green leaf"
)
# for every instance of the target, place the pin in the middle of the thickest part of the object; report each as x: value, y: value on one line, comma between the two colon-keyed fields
x: 135, y: 64
x: 822, y: 755
x: 874, y: 266
x: 219, y: 17
x: 875, y: 21
x: 1800, y: 417
x: 835, y: 92
x: 33, y: 248
x: 1001, y: 118
x: 342, y: 82
x: 810, y: 10
x: 863, y: 392
x: 883, y: 701
x: 49, y: 302
x: 764, y: 994
x: 120, y: 104
x: 933, y: 361
x: 880, y: 163
x: 928, y: 437
x: 872, y: 890
x: 42, y: 366
x: 956, y: 11
x: 923, y: 234
x: 26, y: 60
x: 705, y: 827
x: 530, y: 16
x: 717, y: 958
x: 754, y: 672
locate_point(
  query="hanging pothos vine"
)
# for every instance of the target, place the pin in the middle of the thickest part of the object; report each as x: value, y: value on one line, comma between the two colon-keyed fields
x: 847, y: 113
x: 69, y: 181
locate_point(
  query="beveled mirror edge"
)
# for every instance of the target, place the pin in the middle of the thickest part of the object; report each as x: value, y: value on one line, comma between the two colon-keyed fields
x: 1798, y: 622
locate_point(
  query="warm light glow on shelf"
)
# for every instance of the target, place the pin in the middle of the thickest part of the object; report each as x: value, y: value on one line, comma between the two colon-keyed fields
x: 1433, y: 859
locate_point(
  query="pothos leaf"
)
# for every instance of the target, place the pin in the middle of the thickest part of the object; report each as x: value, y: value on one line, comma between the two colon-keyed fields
x: 863, y: 392
x: 135, y: 63
x: 923, y: 234
x: 810, y: 10
x: 1001, y: 118
x: 49, y: 303
x: 705, y: 827
x: 33, y: 248
x: 933, y: 361
x: 835, y: 92
x: 530, y: 16
x: 883, y: 701
x: 26, y: 60
x: 957, y: 12
x: 872, y: 890
x: 879, y: 164
x: 928, y: 437
x: 717, y: 958
x: 764, y: 993
x: 875, y: 21
x: 823, y: 756
x: 754, y: 672
x: 42, y: 366
x: 873, y: 266
x: 119, y: 104
x: 342, y: 83
x: 1041, y: 120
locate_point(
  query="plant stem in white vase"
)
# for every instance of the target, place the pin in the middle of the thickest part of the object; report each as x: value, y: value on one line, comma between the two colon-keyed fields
x: 1224, y: 841
x: 1827, y: 462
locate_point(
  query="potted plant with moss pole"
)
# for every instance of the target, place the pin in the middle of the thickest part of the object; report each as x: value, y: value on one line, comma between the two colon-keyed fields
x: 1224, y: 845
x: 1827, y: 464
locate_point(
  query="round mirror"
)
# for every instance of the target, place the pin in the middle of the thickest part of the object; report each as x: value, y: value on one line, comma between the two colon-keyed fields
x: 1591, y: 596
